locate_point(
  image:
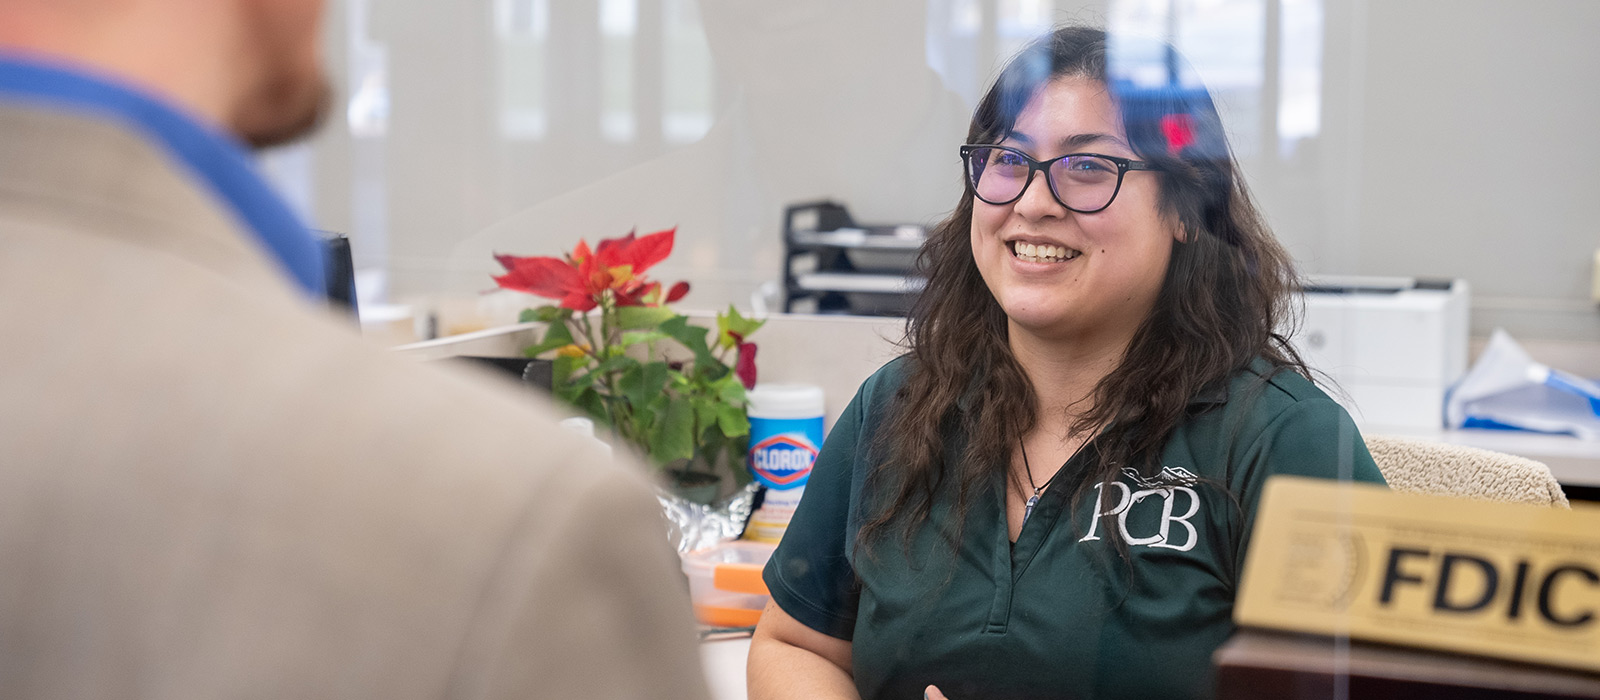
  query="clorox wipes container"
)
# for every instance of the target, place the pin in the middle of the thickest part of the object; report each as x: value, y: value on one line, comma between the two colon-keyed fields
x: 785, y: 435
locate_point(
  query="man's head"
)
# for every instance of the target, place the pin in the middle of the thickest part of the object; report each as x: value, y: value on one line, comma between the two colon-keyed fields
x: 252, y: 67
x: 290, y: 91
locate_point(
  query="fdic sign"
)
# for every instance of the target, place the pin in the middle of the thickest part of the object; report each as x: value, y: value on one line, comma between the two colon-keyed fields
x: 1513, y: 581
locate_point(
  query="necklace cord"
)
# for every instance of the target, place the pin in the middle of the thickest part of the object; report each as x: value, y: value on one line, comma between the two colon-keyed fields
x: 1037, y: 488
x: 1025, y: 465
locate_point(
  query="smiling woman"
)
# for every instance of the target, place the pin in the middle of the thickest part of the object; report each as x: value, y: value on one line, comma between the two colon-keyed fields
x: 1107, y: 281
x: 1050, y: 494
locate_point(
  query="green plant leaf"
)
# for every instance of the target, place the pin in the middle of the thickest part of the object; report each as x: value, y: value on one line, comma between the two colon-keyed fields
x: 732, y: 421
x: 642, y: 317
x: 731, y: 322
x: 628, y: 383
x: 693, y: 338
x: 645, y: 419
x: 724, y: 341
x: 630, y: 338
x: 620, y: 363
x: 676, y: 379
x: 590, y: 401
x: 673, y: 438
x: 582, y: 381
x: 562, y: 369
x: 731, y: 391
x: 715, y: 370
x: 598, y: 372
x: 557, y: 336
x: 645, y: 382
x: 705, y: 414
x: 544, y: 314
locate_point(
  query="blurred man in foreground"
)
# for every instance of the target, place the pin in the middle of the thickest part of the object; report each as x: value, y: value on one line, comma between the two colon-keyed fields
x: 207, y: 489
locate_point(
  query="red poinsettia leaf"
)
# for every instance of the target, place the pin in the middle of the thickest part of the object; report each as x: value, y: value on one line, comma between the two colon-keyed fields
x: 551, y: 277
x: 509, y: 262
x: 581, y: 254
x: 636, y: 294
x: 511, y: 283
x: 677, y: 292
x: 613, y: 251
x: 649, y: 250
x: 745, y: 366
x: 512, y: 280
x: 597, y: 281
x: 578, y: 301
x: 591, y: 277
x: 546, y: 277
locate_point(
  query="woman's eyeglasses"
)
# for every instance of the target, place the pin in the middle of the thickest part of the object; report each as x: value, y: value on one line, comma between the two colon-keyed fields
x: 1082, y: 182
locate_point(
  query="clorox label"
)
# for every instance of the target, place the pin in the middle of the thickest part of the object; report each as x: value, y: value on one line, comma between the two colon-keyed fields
x: 782, y: 454
x: 782, y: 461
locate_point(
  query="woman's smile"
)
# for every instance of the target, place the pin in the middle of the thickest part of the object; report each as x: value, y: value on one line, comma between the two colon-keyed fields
x: 1041, y: 253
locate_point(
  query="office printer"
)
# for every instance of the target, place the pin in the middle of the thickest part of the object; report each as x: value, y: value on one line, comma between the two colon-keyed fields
x: 1391, y: 346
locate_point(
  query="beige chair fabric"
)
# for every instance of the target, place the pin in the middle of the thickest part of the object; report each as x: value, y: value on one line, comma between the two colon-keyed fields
x: 1423, y: 466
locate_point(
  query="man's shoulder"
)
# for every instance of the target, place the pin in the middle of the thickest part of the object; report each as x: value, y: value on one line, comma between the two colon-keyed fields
x: 131, y: 266
x: 453, y: 417
x: 269, y: 368
x: 92, y: 183
x: 164, y: 383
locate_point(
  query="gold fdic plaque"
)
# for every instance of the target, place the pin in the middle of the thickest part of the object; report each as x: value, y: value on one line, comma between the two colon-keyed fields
x: 1513, y: 581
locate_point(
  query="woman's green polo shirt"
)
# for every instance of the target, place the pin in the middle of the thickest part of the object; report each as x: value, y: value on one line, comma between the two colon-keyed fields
x: 1060, y: 614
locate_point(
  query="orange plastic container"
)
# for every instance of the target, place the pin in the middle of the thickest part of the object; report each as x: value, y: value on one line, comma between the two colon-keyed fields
x: 725, y: 582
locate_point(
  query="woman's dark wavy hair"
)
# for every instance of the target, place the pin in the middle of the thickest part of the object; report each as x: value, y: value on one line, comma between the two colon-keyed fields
x: 1225, y: 296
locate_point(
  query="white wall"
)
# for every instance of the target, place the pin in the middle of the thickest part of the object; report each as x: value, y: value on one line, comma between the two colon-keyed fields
x: 1455, y: 139
x: 1479, y: 155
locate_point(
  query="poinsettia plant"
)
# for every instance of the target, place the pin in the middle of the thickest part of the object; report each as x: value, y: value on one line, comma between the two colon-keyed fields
x: 605, y: 333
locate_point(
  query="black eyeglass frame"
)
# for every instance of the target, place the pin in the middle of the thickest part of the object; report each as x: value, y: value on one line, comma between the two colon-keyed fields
x: 1123, y: 166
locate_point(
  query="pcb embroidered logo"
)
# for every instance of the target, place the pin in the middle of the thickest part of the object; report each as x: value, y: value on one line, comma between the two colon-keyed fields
x: 782, y: 461
x: 1158, y: 493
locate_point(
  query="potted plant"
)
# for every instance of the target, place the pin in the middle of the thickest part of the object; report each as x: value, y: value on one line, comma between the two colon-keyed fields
x: 608, y: 335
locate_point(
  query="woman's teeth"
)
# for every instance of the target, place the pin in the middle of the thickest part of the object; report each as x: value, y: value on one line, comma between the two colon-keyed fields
x: 1042, y: 253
